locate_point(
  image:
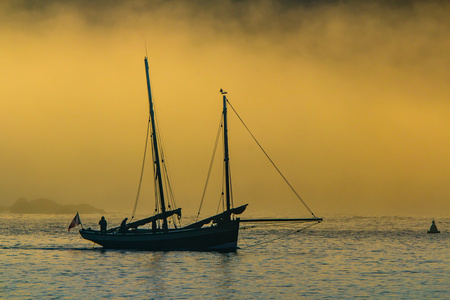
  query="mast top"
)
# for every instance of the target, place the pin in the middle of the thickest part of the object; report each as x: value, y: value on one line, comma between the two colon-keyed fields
x: 223, y: 92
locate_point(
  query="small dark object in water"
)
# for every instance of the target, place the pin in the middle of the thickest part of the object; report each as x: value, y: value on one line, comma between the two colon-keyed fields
x: 433, y: 228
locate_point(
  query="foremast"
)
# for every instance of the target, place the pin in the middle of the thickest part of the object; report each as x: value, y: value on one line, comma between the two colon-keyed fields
x: 157, y: 162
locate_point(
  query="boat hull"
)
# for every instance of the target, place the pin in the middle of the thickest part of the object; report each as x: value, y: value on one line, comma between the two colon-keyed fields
x: 221, y: 238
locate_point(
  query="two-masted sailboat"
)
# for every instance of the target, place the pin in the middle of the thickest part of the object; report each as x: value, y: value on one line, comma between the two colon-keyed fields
x: 216, y: 233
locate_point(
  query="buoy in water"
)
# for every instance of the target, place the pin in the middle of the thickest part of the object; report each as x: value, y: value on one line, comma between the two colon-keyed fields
x: 433, y: 228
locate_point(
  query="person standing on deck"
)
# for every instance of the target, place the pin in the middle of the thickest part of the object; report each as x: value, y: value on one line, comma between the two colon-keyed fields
x: 103, y: 225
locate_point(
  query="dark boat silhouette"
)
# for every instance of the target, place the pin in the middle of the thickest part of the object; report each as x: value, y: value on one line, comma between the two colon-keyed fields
x: 215, y: 233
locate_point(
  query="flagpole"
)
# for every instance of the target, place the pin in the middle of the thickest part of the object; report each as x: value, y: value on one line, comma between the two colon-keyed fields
x: 80, y: 221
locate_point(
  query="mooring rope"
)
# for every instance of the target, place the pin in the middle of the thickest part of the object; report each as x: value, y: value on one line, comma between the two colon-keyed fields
x: 281, y: 237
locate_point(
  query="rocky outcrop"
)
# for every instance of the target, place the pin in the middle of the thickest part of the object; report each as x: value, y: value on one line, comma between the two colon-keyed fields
x: 46, y: 206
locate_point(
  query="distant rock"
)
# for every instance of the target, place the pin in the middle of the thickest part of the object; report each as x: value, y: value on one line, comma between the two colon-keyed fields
x: 46, y: 206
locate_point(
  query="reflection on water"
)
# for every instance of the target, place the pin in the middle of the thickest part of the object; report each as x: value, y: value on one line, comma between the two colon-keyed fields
x: 384, y: 257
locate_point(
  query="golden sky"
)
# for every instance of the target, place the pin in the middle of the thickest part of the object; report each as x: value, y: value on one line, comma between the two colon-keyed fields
x: 350, y: 100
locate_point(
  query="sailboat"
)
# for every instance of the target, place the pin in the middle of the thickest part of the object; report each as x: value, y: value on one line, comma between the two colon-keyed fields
x: 216, y: 233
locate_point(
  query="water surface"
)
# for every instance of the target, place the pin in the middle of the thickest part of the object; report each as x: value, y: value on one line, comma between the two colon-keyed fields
x: 343, y: 257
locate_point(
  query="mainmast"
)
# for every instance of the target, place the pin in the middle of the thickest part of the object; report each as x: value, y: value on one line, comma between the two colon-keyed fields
x: 155, y: 148
x: 226, y: 155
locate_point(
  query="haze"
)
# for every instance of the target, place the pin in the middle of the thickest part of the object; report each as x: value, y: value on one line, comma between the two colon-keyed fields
x: 350, y: 100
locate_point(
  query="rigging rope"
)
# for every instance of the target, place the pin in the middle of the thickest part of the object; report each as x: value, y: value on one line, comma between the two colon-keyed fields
x: 165, y: 171
x: 155, y: 184
x: 142, y: 172
x: 298, y: 196
x: 221, y: 202
x: 281, y: 237
x: 231, y: 187
x: 164, y: 174
x: 168, y: 191
x: 210, y: 168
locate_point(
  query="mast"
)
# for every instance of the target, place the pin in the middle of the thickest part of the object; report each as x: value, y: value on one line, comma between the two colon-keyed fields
x: 155, y: 148
x: 226, y: 155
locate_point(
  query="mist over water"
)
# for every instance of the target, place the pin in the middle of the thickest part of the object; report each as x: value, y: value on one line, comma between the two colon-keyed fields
x: 349, y: 98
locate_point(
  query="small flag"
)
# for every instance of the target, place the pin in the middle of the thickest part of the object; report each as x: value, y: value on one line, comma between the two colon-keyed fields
x: 76, y: 221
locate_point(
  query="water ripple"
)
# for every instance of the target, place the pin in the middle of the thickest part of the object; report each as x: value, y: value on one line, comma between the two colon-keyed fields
x: 340, y: 258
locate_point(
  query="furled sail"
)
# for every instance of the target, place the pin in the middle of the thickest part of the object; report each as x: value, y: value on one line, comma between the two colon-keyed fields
x: 222, y: 216
x: 141, y: 222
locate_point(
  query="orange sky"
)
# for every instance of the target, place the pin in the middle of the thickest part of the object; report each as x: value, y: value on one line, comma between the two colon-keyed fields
x: 350, y: 100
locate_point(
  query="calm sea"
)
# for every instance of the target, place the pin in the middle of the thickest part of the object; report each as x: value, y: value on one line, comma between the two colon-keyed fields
x: 343, y: 257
